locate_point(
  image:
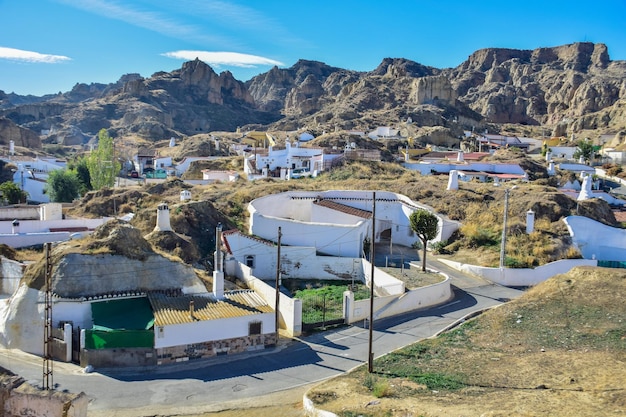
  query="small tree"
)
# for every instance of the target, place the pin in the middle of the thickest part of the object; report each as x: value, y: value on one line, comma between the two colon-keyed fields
x: 425, y: 224
x: 81, y: 169
x: 12, y: 193
x: 63, y: 186
x: 584, y: 148
x: 101, y: 162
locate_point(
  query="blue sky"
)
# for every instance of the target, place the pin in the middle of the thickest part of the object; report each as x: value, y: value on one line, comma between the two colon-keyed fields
x: 47, y: 46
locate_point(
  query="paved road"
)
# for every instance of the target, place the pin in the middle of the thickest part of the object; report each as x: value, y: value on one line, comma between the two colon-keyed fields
x: 204, y: 386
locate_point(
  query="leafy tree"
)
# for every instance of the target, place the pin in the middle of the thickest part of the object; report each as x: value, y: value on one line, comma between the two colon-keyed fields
x: 425, y: 224
x: 584, y: 148
x: 101, y: 162
x: 63, y: 186
x: 82, y: 173
x: 12, y: 193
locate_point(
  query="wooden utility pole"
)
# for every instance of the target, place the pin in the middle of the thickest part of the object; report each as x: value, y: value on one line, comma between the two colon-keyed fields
x: 277, y: 303
x: 48, y: 379
x: 370, y: 360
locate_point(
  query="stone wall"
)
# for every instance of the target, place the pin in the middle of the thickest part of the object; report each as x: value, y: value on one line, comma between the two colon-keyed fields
x: 205, y: 350
x: 119, y: 357
x: 18, y: 398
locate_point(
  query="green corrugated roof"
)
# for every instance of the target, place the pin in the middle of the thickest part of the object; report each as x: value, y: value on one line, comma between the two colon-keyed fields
x: 129, y: 314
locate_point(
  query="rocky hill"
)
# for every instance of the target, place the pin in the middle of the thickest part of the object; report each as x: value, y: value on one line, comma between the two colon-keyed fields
x: 566, y: 89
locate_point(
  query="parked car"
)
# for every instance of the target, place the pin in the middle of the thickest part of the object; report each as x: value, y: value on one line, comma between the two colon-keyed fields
x: 134, y: 174
x: 300, y: 173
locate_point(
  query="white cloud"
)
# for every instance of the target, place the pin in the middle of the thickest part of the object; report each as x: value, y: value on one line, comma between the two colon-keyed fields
x: 30, y: 56
x: 223, y: 58
x: 152, y: 20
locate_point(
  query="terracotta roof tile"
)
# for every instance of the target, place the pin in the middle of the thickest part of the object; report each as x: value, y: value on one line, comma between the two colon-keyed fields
x: 343, y: 208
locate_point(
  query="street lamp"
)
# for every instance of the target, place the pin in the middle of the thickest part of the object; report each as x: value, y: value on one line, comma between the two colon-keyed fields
x: 506, y: 215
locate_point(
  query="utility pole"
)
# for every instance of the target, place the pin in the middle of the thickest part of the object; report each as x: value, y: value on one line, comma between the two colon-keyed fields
x: 48, y: 379
x: 370, y: 356
x: 277, y: 303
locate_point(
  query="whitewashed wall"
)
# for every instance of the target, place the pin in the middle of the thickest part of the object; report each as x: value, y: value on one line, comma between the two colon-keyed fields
x: 331, y: 239
x: 290, y: 310
x: 41, y: 226
x: 23, y: 240
x: 305, y: 224
x: 297, y: 262
x: 596, y: 240
x: 384, y: 284
x: 211, y: 330
x: 391, y: 305
x: 79, y: 313
x: 446, y: 167
x: 520, y: 277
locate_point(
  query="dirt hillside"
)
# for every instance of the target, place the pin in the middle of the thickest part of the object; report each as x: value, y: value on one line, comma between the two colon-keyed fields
x: 559, y: 350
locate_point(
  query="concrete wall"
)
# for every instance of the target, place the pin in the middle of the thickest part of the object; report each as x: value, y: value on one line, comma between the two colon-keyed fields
x: 392, y: 305
x: 384, y: 284
x: 210, y: 330
x: 119, y: 357
x: 520, y: 277
x: 596, y: 240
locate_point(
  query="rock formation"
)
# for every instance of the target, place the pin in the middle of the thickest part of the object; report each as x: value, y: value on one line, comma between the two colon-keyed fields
x: 570, y: 88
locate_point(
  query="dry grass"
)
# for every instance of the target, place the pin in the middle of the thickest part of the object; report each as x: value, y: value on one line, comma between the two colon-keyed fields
x: 558, y: 350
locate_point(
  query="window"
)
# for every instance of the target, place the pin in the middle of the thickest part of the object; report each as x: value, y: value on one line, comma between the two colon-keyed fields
x: 161, y: 332
x: 249, y: 261
x: 254, y: 327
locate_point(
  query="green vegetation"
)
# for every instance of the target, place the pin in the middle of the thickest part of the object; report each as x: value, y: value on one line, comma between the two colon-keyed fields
x: 102, y: 164
x: 543, y: 349
x: 425, y: 225
x: 63, y: 186
x: 11, y: 193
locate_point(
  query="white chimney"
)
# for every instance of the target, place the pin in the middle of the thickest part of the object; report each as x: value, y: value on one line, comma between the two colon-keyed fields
x: 551, y: 170
x: 172, y: 142
x: 453, y: 180
x: 585, y: 190
x: 459, y: 157
x: 218, y: 270
x: 11, y: 148
x: 530, y: 221
x: 163, y: 219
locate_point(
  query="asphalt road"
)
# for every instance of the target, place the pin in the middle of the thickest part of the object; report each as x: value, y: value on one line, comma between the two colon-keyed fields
x: 199, y: 387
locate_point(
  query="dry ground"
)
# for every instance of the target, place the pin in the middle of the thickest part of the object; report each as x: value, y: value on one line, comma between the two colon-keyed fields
x: 560, y: 350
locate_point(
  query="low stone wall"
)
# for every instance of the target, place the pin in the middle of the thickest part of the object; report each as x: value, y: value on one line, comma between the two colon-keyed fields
x: 119, y: 357
x: 205, y: 350
x: 18, y: 398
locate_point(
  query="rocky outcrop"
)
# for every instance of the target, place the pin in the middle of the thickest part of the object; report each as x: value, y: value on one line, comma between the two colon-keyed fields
x: 543, y: 86
x: 569, y: 87
x: 26, y: 138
